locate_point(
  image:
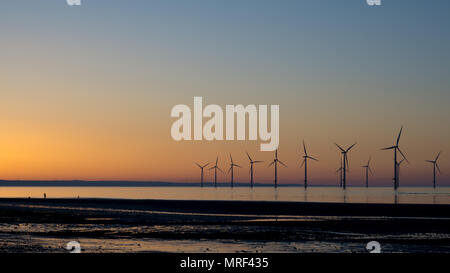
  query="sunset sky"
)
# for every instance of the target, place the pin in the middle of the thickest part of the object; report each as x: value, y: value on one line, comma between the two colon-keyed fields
x: 86, y: 92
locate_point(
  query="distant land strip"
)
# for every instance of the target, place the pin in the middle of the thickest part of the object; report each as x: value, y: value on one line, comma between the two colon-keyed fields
x: 86, y: 183
x: 130, y: 183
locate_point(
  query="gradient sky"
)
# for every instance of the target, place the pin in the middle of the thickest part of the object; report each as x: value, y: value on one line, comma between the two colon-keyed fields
x: 86, y: 92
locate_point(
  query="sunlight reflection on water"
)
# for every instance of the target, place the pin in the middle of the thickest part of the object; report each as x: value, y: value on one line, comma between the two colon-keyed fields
x: 416, y: 195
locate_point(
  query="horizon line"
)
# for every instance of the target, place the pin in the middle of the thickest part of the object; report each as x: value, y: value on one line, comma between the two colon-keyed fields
x: 149, y: 183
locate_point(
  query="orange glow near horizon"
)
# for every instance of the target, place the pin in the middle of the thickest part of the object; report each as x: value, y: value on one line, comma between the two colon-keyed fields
x: 32, y: 151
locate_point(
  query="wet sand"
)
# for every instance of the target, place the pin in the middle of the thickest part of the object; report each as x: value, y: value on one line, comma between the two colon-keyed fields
x: 123, y: 225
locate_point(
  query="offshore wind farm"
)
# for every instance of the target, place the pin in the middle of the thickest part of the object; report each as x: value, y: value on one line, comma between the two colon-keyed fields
x: 343, y: 169
x: 250, y: 188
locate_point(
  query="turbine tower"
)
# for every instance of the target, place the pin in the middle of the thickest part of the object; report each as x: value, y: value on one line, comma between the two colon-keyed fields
x: 396, y: 148
x: 232, y: 165
x: 305, y: 162
x: 201, y: 167
x: 215, y: 167
x: 435, y: 165
x: 367, y: 167
x: 275, y: 163
x: 398, y: 171
x: 251, y: 168
x: 340, y: 173
x: 345, y: 166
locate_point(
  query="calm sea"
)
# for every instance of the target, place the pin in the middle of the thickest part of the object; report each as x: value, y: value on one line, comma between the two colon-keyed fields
x: 411, y: 195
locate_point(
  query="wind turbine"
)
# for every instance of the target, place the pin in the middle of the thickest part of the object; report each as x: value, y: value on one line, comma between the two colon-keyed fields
x: 305, y: 162
x: 396, y: 148
x: 201, y: 167
x: 232, y: 165
x: 275, y: 163
x: 367, y: 167
x: 435, y: 165
x: 345, y: 163
x: 215, y: 167
x: 251, y: 168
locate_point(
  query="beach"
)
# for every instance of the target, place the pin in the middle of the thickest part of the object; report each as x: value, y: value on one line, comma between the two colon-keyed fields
x: 129, y: 225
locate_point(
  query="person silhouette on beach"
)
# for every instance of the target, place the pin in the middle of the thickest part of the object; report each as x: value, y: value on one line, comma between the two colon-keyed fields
x: 45, y: 195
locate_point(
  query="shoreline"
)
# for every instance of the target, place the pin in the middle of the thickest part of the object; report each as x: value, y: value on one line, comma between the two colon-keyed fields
x: 130, y: 225
x: 247, y: 207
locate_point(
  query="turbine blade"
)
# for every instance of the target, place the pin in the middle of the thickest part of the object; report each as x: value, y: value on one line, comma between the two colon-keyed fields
x: 399, y: 135
x: 249, y: 157
x: 219, y: 169
x: 338, y: 169
x: 437, y: 157
x: 310, y: 157
x: 258, y: 161
x: 303, y: 163
x: 437, y: 166
x: 282, y: 163
x: 205, y: 165
x: 231, y: 159
x: 270, y: 164
x: 403, y: 155
x: 198, y: 165
x: 349, y: 148
x: 339, y: 147
x: 276, y: 154
x: 429, y: 161
x: 229, y: 170
x: 304, y: 147
x: 236, y: 165
x: 370, y: 170
x: 212, y: 168
x: 389, y: 148
x: 217, y: 160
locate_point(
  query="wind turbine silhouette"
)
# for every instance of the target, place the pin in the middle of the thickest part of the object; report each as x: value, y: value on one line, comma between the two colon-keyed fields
x: 201, y: 167
x: 275, y: 163
x: 305, y: 162
x: 251, y: 168
x: 396, y: 148
x: 367, y: 167
x: 215, y: 167
x: 232, y: 165
x: 345, y: 166
x: 435, y: 165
